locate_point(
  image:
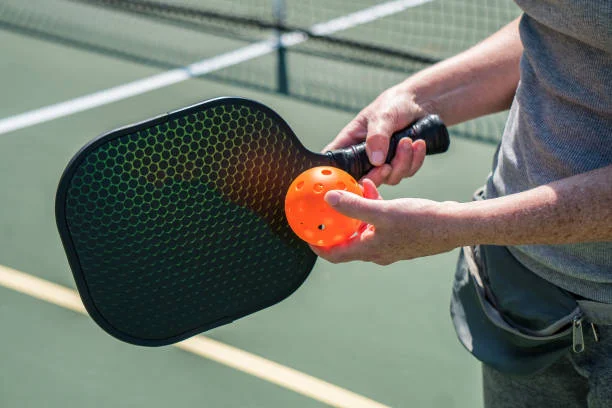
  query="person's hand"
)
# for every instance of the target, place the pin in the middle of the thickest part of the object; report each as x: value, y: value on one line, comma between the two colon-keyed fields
x: 393, y: 230
x: 393, y: 110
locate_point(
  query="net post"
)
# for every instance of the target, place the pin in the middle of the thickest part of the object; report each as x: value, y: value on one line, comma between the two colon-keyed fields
x: 282, y: 80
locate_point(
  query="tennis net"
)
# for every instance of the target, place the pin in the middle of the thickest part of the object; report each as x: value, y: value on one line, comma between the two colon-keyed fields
x: 340, y: 54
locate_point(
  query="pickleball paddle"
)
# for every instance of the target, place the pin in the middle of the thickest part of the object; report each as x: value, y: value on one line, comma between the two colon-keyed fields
x: 175, y: 225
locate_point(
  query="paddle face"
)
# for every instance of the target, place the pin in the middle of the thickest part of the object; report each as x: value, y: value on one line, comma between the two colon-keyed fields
x: 176, y: 225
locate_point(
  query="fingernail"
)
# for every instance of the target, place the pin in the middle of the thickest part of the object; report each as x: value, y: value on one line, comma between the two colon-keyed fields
x: 378, y: 158
x: 333, y: 197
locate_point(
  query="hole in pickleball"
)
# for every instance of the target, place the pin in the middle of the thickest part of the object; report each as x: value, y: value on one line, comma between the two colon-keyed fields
x: 299, y: 185
x: 326, y: 172
x: 321, y: 227
x: 341, y: 186
x: 318, y: 188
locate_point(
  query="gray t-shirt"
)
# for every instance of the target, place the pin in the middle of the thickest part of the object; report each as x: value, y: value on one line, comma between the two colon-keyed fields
x: 560, y: 124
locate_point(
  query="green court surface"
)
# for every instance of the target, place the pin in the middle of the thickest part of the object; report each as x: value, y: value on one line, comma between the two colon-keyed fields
x: 381, y: 332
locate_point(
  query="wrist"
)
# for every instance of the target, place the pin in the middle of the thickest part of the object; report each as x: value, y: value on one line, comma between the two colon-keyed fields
x: 414, y: 93
x: 427, y: 89
x: 464, y: 226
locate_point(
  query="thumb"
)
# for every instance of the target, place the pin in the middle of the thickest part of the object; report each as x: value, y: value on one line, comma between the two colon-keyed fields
x: 354, y: 132
x: 380, y: 130
x: 354, y: 206
x: 377, y: 142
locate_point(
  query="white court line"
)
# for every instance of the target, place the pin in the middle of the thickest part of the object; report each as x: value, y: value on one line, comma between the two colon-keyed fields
x: 364, y: 16
x: 206, y: 66
x: 204, y: 347
x: 134, y: 88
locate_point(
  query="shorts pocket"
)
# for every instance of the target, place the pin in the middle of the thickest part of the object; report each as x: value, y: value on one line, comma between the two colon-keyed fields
x: 501, y: 342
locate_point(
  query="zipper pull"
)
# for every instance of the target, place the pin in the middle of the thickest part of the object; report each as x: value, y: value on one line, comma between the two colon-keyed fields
x: 577, y: 335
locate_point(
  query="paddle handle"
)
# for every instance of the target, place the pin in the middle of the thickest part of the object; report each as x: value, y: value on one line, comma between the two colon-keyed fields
x: 354, y: 159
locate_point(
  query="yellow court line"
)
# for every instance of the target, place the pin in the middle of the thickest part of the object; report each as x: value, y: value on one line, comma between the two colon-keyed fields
x: 203, y: 346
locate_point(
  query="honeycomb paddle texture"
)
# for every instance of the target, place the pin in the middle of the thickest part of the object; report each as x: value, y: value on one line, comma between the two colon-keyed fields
x: 175, y: 225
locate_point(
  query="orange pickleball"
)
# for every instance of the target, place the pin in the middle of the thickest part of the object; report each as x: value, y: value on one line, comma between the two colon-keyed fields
x: 309, y: 216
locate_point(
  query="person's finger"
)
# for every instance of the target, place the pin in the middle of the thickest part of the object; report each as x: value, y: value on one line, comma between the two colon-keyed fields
x: 337, y: 253
x: 369, y: 190
x: 353, y: 133
x: 379, y: 174
x: 402, y: 162
x: 419, y: 149
x: 354, y: 249
x: 380, y: 130
x: 355, y: 206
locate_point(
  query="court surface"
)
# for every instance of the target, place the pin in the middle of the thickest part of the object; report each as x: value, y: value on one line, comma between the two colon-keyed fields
x: 375, y: 336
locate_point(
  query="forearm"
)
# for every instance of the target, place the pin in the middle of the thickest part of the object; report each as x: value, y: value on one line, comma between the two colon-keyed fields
x: 479, y: 81
x: 571, y: 210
